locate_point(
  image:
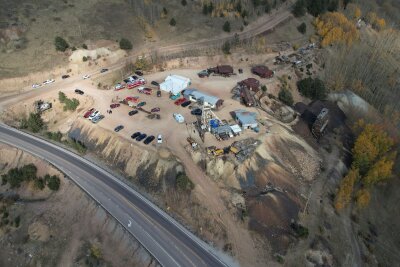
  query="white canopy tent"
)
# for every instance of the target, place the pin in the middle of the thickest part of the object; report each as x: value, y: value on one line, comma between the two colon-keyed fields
x: 175, y: 84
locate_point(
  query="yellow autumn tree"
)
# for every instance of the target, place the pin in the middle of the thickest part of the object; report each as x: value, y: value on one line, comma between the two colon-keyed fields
x: 380, y: 171
x: 345, y: 192
x: 362, y: 198
x: 335, y: 28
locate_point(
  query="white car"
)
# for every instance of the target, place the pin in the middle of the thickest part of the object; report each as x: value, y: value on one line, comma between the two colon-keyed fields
x: 179, y: 118
x: 35, y: 85
x: 94, y: 115
x: 159, y: 139
x: 48, y: 81
x: 87, y: 76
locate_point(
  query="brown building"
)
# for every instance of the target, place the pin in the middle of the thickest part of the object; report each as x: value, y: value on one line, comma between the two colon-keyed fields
x: 251, y: 84
x: 247, y: 97
x: 262, y: 71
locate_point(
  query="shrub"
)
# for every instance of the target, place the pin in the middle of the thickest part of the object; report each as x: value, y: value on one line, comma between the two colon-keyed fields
x: 164, y: 11
x: 69, y: 104
x: 17, y: 221
x: 267, y: 7
x: 226, y: 48
x: 77, y: 145
x: 302, y: 28
x: 125, y: 44
x: 84, y: 59
x: 56, y: 136
x: 299, y: 8
x: 264, y: 88
x: 300, y: 230
x: 40, y: 183
x: 16, y: 176
x: 183, y: 182
x: 286, y: 97
x: 172, y: 22
x: 227, y: 27
x: 312, y: 88
x: 84, y: 46
x: 53, y: 182
x: 61, y: 44
x: 183, y: 2
x: 34, y: 123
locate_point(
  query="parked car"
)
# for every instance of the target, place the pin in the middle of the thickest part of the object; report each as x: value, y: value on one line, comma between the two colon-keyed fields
x: 94, y: 114
x: 98, y: 118
x: 141, y: 104
x: 175, y: 97
x: 141, y: 137
x: 196, y: 112
x: 118, y: 128
x: 133, y: 112
x: 155, y: 109
x: 88, y: 113
x: 79, y: 92
x: 119, y: 86
x: 180, y: 101
x: 65, y: 77
x: 48, y: 81
x: 155, y: 83
x: 103, y: 70
x: 186, y: 103
x: 87, y: 76
x: 135, y: 135
x: 136, y: 83
x: 149, y: 139
x: 159, y: 93
x: 139, y: 73
x: 115, y: 105
x: 179, y: 118
x: 35, y: 85
x: 159, y: 139
x: 203, y: 73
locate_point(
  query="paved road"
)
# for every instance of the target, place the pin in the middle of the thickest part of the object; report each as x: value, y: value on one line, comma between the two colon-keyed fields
x: 169, y: 242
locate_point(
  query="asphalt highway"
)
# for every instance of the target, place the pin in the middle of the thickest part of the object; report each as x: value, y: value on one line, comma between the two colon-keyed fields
x: 169, y: 242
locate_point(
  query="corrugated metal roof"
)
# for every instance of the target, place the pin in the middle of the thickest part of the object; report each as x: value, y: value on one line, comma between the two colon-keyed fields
x: 201, y: 96
x: 246, y: 117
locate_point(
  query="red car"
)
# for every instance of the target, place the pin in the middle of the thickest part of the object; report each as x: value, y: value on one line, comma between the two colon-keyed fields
x: 136, y: 83
x: 147, y: 91
x: 115, y: 105
x: 134, y: 99
x: 155, y: 110
x: 180, y: 101
x: 88, y: 113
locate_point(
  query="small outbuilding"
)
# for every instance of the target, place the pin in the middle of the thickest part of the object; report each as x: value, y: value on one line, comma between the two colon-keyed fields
x: 206, y: 99
x: 175, y: 84
x: 247, y: 97
x: 250, y: 83
x: 262, y: 71
x: 246, y: 119
x: 236, y: 129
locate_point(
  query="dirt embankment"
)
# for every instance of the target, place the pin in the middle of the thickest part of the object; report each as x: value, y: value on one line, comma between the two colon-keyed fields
x: 274, y: 183
x: 154, y: 170
x: 61, y: 228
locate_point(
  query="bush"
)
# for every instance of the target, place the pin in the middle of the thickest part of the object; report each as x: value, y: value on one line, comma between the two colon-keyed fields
x: 53, y: 182
x: 227, y: 27
x: 61, y: 44
x: 264, y: 88
x: 312, y: 88
x: 125, y: 44
x: 165, y: 11
x: 40, y: 183
x: 183, y: 182
x: 302, y: 28
x: 267, y: 7
x: 77, y: 145
x: 183, y: 2
x: 69, y: 104
x: 286, y: 97
x: 34, y: 123
x: 84, y: 59
x: 16, y: 176
x: 299, y: 8
x: 17, y: 221
x: 56, y: 136
x: 84, y: 46
x: 300, y: 230
x: 172, y: 22
x: 226, y: 48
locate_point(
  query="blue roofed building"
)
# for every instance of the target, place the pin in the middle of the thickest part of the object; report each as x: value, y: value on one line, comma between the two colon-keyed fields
x: 246, y: 119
